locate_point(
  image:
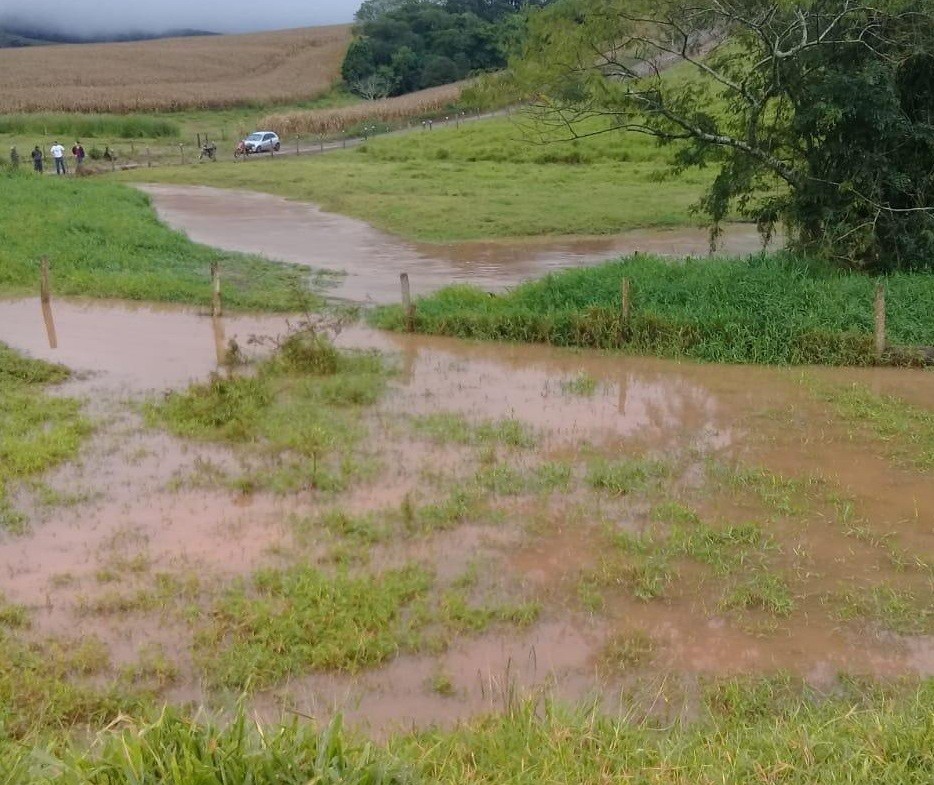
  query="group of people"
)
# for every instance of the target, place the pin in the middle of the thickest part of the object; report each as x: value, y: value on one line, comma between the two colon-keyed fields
x: 57, y: 151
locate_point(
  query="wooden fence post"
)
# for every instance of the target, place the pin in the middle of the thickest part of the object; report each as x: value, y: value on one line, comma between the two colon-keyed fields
x: 880, y: 321
x: 625, y: 296
x: 407, y: 307
x: 216, y: 286
x: 45, y: 293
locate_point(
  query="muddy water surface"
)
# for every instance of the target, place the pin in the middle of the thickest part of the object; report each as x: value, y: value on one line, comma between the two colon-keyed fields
x: 136, y: 505
x: 302, y: 233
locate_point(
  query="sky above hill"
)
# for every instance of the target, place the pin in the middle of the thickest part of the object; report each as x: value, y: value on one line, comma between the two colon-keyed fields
x: 229, y: 16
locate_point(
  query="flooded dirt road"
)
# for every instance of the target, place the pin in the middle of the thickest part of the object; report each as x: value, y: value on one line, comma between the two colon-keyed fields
x: 744, y: 445
x: 303, y: 233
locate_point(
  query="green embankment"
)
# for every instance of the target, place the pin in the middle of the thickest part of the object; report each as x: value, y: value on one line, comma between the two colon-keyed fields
x: 753, y: 733
x: 767, y: 309
x: 482, y: 180
x: 103, y: 240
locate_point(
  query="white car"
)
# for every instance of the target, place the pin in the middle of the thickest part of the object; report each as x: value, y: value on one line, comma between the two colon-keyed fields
x: 261, y: 142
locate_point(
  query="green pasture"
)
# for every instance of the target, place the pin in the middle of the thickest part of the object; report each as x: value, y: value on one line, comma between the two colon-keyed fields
x: 486, y: 179
x: 104, y: 240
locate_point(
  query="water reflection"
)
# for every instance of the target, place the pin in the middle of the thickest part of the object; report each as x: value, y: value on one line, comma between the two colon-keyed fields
x: 49, y: 324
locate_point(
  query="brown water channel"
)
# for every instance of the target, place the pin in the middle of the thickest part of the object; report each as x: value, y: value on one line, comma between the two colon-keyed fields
x: 133, y: 501
x: 303, y: 233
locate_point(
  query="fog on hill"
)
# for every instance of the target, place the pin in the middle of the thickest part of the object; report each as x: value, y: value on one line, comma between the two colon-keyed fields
x: 118, y: 17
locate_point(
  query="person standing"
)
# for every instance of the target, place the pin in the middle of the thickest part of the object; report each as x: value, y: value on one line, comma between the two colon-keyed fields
x: 58, y: 154
x: 14, y: 157
x: 78, y: 152
x: 37, y: 159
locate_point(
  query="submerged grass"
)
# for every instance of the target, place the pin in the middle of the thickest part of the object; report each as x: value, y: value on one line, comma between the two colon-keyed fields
x: 908, y: 431
x: 766, y: 309
x: 453, y: 428
x: 301, y: 408
x: 301, y: 620
x: 104, y: 240
x: 38, y: 431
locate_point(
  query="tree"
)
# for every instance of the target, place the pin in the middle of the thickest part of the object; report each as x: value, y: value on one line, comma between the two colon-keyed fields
x: 818, y: 113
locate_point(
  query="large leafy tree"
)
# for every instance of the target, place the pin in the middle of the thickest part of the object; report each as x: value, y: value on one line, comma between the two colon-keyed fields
x: 411, y: 44
x: 819, y: 114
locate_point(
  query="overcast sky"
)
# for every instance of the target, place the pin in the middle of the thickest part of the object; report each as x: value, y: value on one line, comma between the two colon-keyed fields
x: 221, y: 16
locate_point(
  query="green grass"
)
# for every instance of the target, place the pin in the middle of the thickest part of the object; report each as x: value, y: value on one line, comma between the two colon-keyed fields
x: 751, y: 733
x: 300, y: 620
x: 44, y: 686
x: 480, y: 181
x: 301, y: 409
x: 906, y: 430
x: 38, y: 431
x: 629, y: 475
x: 766, y: 309
x: 104, y: 240
x: 898, y: 610
x: 760, y: 590
x: 453, y: 428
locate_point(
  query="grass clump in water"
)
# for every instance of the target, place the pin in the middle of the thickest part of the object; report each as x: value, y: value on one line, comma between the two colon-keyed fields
x: 452, y: 428
x: 762, y: 590
x: 301, y: 409
x: 898, y: 610
x: 298, y: 620
x: 38, y: 431
x: 622, y: 477
x: 907, y: 430
x: 627, y: 649
x: 767, y: 309
x: 582, y: 384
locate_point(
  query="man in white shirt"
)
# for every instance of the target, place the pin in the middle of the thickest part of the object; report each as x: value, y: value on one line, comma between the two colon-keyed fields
x: 58, y: 153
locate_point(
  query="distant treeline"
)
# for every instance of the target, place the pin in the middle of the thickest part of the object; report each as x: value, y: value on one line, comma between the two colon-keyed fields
x: 407, y: 45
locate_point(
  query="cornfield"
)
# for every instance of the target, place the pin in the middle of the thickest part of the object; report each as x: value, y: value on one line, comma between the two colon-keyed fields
x: 209, y: 72
x: 326, y: 122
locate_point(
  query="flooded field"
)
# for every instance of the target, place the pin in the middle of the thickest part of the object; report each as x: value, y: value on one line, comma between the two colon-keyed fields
x: 298, y: 232
x: 572, y: 522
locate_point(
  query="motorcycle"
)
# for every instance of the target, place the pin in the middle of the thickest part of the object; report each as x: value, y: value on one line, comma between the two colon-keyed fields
x: 209, y: 151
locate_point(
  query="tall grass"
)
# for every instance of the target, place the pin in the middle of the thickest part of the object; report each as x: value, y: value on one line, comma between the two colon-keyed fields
x: 763, y: 731
x: 104, y: 240
x: 767, y: 309
x: 78, y: 126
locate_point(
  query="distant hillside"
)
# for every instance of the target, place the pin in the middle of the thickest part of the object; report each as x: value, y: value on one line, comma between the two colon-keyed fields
x: 174, y: 73
x: 17, y: 35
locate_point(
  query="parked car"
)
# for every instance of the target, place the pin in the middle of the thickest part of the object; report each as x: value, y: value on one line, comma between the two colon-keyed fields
x: 261, y: 142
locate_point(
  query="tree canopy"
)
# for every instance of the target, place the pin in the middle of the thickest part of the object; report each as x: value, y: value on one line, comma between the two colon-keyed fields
x: 406, y: 45
x: 819, y: 114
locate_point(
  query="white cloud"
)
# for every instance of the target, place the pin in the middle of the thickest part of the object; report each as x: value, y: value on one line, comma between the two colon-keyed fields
x: 114, y: 16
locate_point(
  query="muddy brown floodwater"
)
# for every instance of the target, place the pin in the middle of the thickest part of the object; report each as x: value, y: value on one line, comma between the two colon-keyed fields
x: 133, y: 504
x: 303, y: 233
